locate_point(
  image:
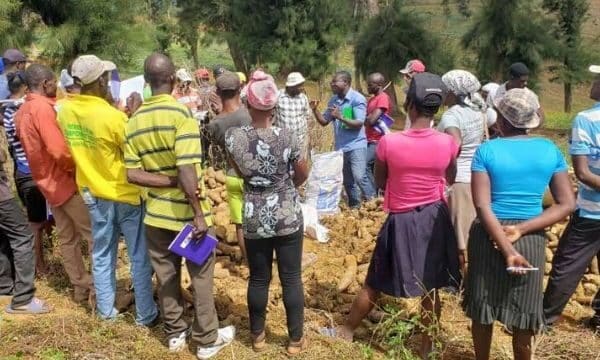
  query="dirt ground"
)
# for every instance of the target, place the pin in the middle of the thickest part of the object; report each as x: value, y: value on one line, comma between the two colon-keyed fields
x: 72, y: 332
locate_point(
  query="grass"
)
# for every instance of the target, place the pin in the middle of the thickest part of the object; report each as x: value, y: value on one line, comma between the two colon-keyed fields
x: 72, y: 332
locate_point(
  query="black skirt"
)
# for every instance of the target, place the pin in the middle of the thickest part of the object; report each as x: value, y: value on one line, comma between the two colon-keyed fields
x: 415, y: 252
x: 492, y: 294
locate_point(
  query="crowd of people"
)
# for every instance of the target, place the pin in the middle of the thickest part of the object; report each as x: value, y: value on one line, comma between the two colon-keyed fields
x: 464, y: 199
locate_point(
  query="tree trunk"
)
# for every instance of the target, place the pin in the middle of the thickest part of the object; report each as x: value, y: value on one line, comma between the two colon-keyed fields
x: 391, y: 91
x: 194, y: 51
x: 238, y: 58
x: 372, y: 8
x: 357, y: 84
x: 568, y: 88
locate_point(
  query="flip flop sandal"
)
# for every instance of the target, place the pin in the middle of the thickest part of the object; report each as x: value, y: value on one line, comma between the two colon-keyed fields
x: 35, y: 307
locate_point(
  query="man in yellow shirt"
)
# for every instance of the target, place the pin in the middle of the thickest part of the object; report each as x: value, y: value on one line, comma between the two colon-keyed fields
x: 164, y: 154
x: 95, y: 134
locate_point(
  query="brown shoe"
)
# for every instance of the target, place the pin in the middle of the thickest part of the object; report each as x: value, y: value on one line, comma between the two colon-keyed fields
x: 259, y: 342
x: 296, y: 347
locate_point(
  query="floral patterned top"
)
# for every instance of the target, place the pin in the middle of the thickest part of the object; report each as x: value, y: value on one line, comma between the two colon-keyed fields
x: 264, y: 157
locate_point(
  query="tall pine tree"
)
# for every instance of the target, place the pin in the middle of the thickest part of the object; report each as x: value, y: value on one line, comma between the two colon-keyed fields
x: 573, y: 54
x: 507, y: 31
x: 395, y: 36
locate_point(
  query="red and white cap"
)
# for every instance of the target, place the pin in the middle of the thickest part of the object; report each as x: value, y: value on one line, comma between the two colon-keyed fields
x: 413, y: 67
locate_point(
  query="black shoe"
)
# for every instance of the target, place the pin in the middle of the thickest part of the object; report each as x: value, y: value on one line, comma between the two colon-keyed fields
x: 594, y: 323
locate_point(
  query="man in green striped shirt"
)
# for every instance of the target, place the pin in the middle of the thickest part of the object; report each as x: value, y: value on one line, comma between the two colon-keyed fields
x: 163, y: 153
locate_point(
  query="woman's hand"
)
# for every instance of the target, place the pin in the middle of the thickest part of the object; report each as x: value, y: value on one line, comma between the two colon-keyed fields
x: 512, y: 233
x: 516, y: 260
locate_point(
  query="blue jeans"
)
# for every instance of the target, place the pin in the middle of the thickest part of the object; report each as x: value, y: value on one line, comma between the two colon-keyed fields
x: 110, y: 219
x: 355, y: 177
x: 371, y: 156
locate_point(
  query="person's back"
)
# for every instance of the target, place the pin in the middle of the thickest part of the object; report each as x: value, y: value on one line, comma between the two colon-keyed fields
x: 95, y: 132
x: 471, y: 126
x: 520, y: 170
x: 155, y: 133
x: 417, y: 161
x: 264, y: 157
x: 51, y: 164
x: 223, y: 122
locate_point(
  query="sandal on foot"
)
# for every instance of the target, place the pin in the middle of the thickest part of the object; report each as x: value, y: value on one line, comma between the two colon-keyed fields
x: 35, y: 307
x: 296, y: 347
x: 259, y: 342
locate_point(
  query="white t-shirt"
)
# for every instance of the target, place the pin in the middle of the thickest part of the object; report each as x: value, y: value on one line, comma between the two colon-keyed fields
x: 470, y: 124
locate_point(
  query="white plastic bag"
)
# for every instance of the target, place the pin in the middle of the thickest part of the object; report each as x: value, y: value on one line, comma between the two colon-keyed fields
x: 312, y: 228
x: 325, y: 183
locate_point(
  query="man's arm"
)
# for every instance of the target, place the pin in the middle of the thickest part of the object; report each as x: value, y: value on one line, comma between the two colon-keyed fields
x: 360, y: 114
x: 583, y: 172
x: 53, y: 139
x: 188, y: 180
x: 317, y: 114
x: 374, y: 116
x: 146, y: 179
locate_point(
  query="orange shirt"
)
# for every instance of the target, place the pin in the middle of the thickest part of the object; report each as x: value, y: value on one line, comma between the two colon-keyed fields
x: 51, y: 164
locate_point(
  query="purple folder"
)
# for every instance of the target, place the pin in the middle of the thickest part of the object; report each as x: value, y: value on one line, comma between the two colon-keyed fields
x: 196, y: 251
x: 383, y: 124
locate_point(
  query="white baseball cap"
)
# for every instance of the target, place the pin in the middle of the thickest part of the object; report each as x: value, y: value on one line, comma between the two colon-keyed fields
x: 89, y: 68
x: 595, y: 69
x: 183, y: 75
x: 294, y: 79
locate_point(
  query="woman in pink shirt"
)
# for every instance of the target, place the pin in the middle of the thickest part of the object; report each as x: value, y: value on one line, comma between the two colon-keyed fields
x: 416, y: 251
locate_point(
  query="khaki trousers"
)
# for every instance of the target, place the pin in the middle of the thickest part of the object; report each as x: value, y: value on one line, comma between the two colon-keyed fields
x: 462, y: 212
x: 167, y: 266
x: 72, y: 224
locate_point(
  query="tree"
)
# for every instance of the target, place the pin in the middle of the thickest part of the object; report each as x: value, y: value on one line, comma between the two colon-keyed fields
x: 15, y: 25
x: 285, y: 35
x: 507, y: 31
x: 392, y: 38
x: 574, y: 54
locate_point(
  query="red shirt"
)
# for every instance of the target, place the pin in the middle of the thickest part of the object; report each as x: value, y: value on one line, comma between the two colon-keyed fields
x: 50, y: 161
x: 381, y: 101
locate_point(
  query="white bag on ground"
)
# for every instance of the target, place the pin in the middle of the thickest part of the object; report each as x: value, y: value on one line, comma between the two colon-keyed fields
x: 325, y: 183
x: 312, y: 228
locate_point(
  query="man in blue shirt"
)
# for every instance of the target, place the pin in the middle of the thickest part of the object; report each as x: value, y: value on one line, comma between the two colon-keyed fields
x: 581, y: 241
x: 347, y: 110
x: 13, y: 61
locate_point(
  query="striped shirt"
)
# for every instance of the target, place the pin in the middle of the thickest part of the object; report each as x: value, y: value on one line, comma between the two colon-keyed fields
x: 15, y: 147
x: 161, y: 136
x: 585, y: 140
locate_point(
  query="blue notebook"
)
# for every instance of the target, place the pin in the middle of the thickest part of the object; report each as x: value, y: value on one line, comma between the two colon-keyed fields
x: 196, y: 251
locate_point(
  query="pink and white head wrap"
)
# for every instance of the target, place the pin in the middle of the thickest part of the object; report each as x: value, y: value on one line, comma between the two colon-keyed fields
x: 262, y: 91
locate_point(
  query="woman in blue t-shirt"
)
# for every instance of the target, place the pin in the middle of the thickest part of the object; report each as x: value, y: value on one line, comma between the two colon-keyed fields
x: 506, y: 249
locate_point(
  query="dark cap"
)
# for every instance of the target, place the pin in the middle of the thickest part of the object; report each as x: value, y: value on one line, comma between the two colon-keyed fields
x: 228, y: 81
x: 11, y: 56
x: 518, y: 69
x: 427, y: 89
x: 218, y: 70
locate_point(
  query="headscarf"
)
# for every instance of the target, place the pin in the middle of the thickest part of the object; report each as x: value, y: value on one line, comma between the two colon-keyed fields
x: 262, y: 91
x: 491, y: 88
x: 65, y: 79
x: 464, y: 86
